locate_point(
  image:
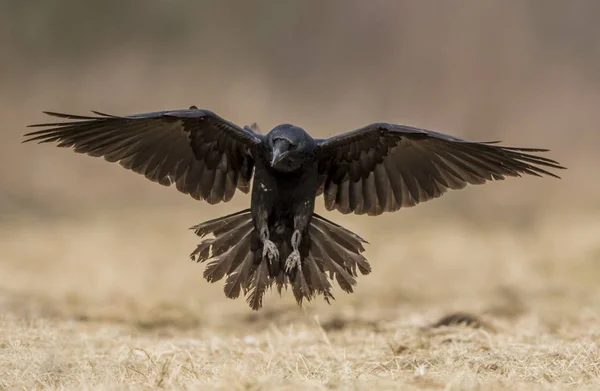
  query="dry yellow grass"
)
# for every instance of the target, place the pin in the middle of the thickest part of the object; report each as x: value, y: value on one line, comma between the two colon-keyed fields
x: 109, y: 301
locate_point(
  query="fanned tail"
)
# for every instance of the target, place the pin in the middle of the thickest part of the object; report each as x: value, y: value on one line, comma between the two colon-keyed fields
x: 335, y: 252
x: 228, y: 246
x: 232, y: 248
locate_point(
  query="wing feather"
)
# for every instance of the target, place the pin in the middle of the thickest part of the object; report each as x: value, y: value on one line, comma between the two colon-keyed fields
x: 206, y: 156
x: 383, y: 167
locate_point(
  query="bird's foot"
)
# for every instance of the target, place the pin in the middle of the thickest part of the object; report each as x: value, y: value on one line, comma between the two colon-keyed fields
x: 292, y: 261
x: 270, y: 252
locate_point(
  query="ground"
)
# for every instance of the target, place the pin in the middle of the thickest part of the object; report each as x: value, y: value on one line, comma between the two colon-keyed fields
x: 107, y: 302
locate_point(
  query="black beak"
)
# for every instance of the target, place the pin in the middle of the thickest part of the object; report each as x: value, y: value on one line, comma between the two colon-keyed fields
x: 277, y: 156
x: 280, y: 147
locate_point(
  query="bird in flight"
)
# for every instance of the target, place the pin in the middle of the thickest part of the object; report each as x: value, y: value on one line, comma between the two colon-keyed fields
x: 279, y: 241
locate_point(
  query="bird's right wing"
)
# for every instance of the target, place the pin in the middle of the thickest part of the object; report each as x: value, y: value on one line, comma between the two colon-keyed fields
x: 204, y: 155
x: 383, y: 167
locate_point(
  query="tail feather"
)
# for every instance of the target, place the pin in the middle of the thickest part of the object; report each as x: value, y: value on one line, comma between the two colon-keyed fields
x: 260, y: 282
x: 318, y: 278
x: 227, y: 247
x: 219, y: 225
x: 351, y: 242
x: 341, y: 235
x: 281, y: 281
x: 311, y: 281
x: 300, y: 287
x: 231, y: 246
x: 344, y: 261
x: 332, y: 263
x: 226, y: 262
x: 236, y: 281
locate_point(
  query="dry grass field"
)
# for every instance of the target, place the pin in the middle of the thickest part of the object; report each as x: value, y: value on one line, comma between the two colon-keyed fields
x: 495, y: 287
x: 104, y: 302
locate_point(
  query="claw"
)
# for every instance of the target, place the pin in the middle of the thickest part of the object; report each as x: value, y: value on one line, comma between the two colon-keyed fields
x: 293, y: 261
x: 270, y: 252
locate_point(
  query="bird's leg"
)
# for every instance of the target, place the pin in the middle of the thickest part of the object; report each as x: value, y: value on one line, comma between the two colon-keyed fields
x: 294, y: 260
x: 269, y: 248
x: 301, y: 221
x: 270, y: 251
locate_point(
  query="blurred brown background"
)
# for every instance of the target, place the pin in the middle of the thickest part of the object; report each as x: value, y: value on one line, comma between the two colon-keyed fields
x: 524, y: 72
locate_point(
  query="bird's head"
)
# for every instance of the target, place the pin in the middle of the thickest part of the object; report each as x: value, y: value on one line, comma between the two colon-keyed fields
x: 289, y: 147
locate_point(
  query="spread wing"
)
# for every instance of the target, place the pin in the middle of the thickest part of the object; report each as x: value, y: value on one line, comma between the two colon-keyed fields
x: 204, y: 155
x: 383, y: 167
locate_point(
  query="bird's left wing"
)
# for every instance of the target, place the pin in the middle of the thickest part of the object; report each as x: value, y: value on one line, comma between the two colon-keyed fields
x: 383, y: 167
x: 204, y: 155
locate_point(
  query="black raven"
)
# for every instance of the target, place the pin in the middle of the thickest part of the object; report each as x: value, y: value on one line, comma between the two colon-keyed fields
x: 280, y: 241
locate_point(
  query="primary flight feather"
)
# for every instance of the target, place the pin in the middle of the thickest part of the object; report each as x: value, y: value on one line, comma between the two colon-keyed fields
x: 279, y: 240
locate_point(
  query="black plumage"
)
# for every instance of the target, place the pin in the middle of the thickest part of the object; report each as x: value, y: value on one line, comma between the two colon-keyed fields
x: 280, y: 240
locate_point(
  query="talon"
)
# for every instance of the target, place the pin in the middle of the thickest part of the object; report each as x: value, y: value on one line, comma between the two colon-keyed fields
x: 292, y: 261
x: 270, y: 252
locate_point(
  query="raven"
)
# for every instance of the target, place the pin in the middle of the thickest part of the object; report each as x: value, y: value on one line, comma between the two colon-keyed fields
x: 279, y: 240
